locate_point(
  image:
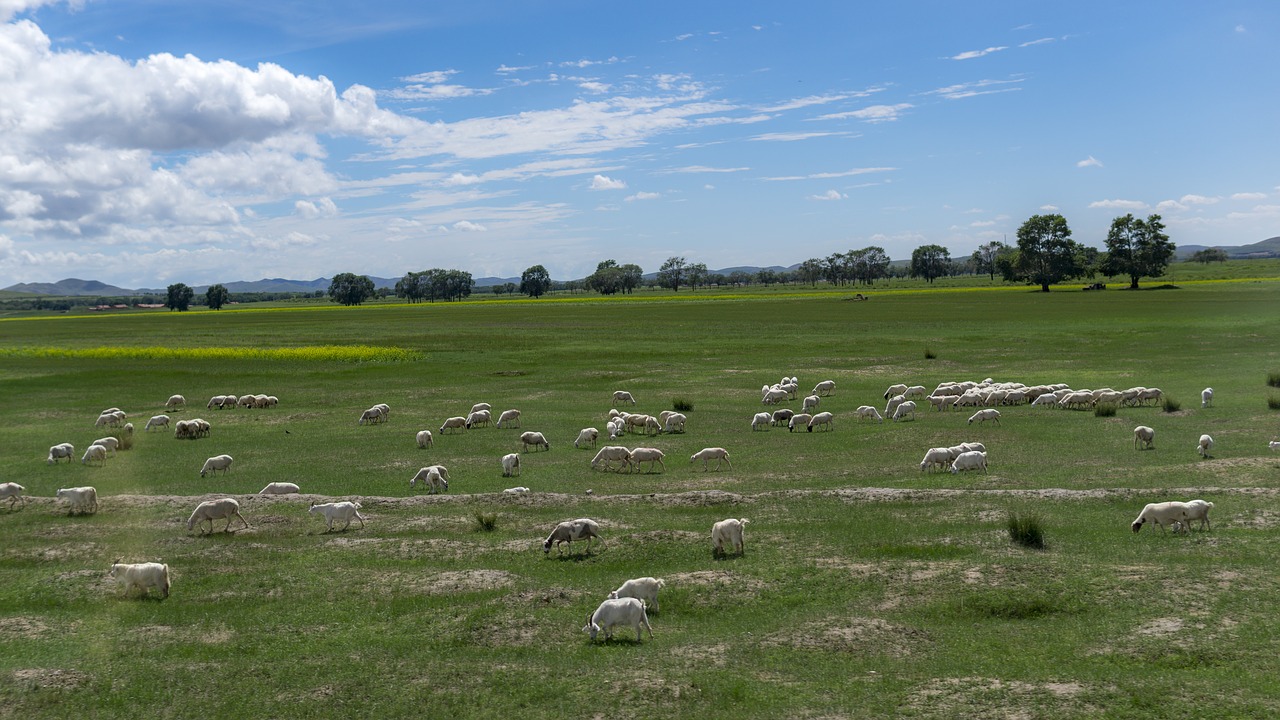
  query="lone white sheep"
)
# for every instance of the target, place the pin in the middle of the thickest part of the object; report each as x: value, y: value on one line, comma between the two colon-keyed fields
x: 157, y: 422
x: 424, y: 439
x: 985, y: 415
x: 622, y: 396
x: 821, y: 420
x: 866, y: 411
x: 645, y: 588
x: 626, y: 612
x: 728, y: 532
x: 216, y: 463
x: 79, y: 499
x: 536, y: 439
x: 143, y: 576
x: 510, y: 464
x: 333, y: 511
x: 761, y: 420
x: 1206, y: 397
x: 571, y: 530
x: 509, y: 418
x: 1146, y: 436
x: 649, y: 455
x: 1206, y: 444
x: 711, y: 453
x: 826, y: 387
x: 810, y: 402
x: 611, y: 454
x: 175, y: 402
x: 453, y: 423
x: 279, y: 488
x: 211, y: 510
x: 586, y: 436
x: 13, y: 491
x: 518, y: 490
x: 1162, y: 514
x: 971, y: 460
x: 61, y: 450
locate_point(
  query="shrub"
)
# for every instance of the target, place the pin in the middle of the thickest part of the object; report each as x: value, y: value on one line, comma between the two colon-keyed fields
x: 681, y: 405
x: 1170, y: 405
x: 1273, y: 402
x: 1273, y: 379
x: 486, y: 523
x: 1104, y: 410
x: 929, y: 354
x: 1026, y: 530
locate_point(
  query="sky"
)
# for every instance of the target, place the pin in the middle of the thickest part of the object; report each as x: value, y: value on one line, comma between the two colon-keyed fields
x: 149, y: 142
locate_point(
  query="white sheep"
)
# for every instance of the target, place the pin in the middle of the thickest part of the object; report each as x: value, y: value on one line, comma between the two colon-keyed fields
x: 211, y: 510
x: 571, y: 530
x: 279, y: 488
x: 866, y: 411
x: 143, y: 576
x: 175, y: 402
x: 13, y: 491
x: 1045, y: 400
x: 905, y: 408
x: 586, y: 436
x: 111, y: 443
x: 893, y: 404
x: 510, y: 418
x: 1199, y: 510
x: 761, y: 420
x: 481, y: 406
x: 510, y: 464
x: 942, y: 403
x: 826, y: 387
x: 622, y: 396
x: 821, y: 420
x: 782, y: 416
x: 674, y: 422
x: 202, y: 427
x: 332, y: 511
x: 424, y: 439
x: 478, y: 417
x: 372, y: 416
x: 536, y: 439
x: 610, y: 454
x: 649, y: 455
x: 645, y: 588
x: 773, y: 396
x: 617, y: 427
x: 915, y: 392
x: 216, y: 402
x: 94, y: 453
x: 798, y: 420
x: 939, y: 456
x: 518, y: 490
x: 1274, y: 444
x: 711, y: 453
x: 971, y: 460
x: 157, y: 422
x: 453, y: 423
x: 1206, y: 444
x: 61, y: 450
x: 728, y: 532
x: 810, y: 403
x: 627, y: 612
x: 216, y: 463
x: 1206, y: 397
x: 1162, y: 514
x: 79, y: 499
x: 985, y: 415
x: 895, y: 390
x: 423, y: 475
x: 1146, y: 436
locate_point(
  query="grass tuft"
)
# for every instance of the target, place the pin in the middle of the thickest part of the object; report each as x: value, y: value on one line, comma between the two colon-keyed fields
x: 929, y: 354
x: 1273, y: 402
x: 1016, y: 604
x: 1273, y: 379
x: 681, y: 405
x: 486, y: 523
x: 1170, y: 405
x: 1026, y: 530
x: 1104, y: 410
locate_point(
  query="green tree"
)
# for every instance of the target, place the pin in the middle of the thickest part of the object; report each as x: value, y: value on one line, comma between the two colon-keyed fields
x: 1137, y: 248
x: 697, y: 274
x: 930, y: 262
x: 673, y: 273
x: 607, y: 279
x: 179, y: 297
x: 810, y: 271
x: 766, y: 276
x: 216, y: 296
x: 350, y: 289
x: 535, y: 281
x: 985, y: 257
x: 1046, y: 253
x: 1209, y: 255
x: 412, y: 287
x: 632, y: 277
x: 866, y: 265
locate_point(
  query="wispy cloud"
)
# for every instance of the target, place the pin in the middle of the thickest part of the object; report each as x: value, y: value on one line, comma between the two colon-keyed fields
x: 813, y: 100
x: 872, y: 114
x: 977, y: 87
x: 690, y: 169
x: 1119, y: 204
x: 829, y: 175
x: 829, y: 195
x: 1090, y: 161
x: 971, y: 54
x: 1249, y: 196
x: 1041, y: 41
x: 642, y: 196
x: 601, y: 182
x: 1049, y: 208
x: 792, y: 136
x: 468, y: 226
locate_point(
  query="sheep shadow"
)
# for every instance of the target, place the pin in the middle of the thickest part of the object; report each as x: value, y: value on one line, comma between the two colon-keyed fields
x: 574, y: 557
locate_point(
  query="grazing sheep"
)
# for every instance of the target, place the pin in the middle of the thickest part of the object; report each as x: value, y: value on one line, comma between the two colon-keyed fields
x: 761, y: 420
x: 571, y: 530
x: 712, y: 453
x: 645, y: 588
x: 915, y: 392
x: 510, y: 464
x: 895, y: 390
x: 622, y: 396
x: 907, y: 407
x: 1152, y: 394
x: 94, y: 453
x: 518, y: 490
x: 942, y: 403
x: 338, y: 511
x: 143, y: 576
x: 674, y: 422
x: 535, y: 439
x: 1274, y: 444
x: 1162, y: 514
x: 727, y: 532
x: 822, y: 420
x: 782, y: 416
x: 481, y: 406
x: 622, y: 611
x: 826, y: 387
x: 939, y: 456
x: 61, y: 450
x: 175, y: 402
x: 373, y: 416
x: 216, y: 402
x: 1206, y: 397
x: 1199, y: 510
x: 453, y: 423
x: 424, y: 439
x: 810, y: 402
x: 1146, y: 436
x: 985, y: 415
x: 157, y: 422
x: 216, y: 463
x: 79, y: 499
x: 649, y: 455
x: 279, y: 488
x: 424, y: 476
x: 866, y: 411
x: 893, y: 404
x: 111, y: 443
x: 773, y: 396
x: 478, y: 417
x: 13, y: 491
x: 610, y: 454
x: 1045, y: 400
x: 511, y: 418
x: 798, y: 420
x: 971, y: 460
x: 211, y: 510
x: 1206, y: 444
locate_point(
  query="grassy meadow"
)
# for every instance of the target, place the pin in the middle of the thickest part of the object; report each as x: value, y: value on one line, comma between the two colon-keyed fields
x: 867, y: 588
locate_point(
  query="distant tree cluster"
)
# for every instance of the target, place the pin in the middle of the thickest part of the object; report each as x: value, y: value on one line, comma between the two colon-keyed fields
x: 179, y: 297
x: 610, y: 278
x: 866, y: 266
x: 1209, y: 255
x: 434, y: 284
x: 350, y: 289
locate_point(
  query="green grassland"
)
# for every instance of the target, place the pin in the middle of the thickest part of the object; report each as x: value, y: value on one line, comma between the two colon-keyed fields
x: 867, y: 589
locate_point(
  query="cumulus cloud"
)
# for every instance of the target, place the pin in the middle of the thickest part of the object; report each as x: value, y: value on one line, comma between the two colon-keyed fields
x: 324, y: 207
x: 468, y: 226
x: 642, y: 196
x: 1198, y: 200
x: 971, y: 54
x: 1049, y: 208
x: 829, y: 195
x: 601, y: 182
x: 1119, y: 204
x: 872, y: 114
x: 1090, y: 161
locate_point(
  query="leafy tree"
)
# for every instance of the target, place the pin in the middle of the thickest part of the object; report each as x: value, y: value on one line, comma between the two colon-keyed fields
x: 766, y: 276
x: 985, y: 257
x: 216, y: 296
x: 697, y: 273
x: 1209, y: 255
x: 673, y: 273
x: 867, y: 264
x: 413, y: 286
x: 1137, y: 248
x: 535, y: 281
x: 930, y: 262
x: 350, y: 289
x: 179, y: 297
x: 607, y: 279
x: 810, y: 271
x: 740, y: 277
x: 1046, y: 253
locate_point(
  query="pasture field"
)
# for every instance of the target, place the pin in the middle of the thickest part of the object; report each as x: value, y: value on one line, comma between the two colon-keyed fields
x: 867, y: 588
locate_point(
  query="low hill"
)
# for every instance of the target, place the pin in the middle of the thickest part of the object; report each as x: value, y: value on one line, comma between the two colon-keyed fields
x: 1263, y: 249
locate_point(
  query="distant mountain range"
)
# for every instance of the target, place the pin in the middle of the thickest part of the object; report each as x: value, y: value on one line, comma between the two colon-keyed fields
x: 1268, y: 248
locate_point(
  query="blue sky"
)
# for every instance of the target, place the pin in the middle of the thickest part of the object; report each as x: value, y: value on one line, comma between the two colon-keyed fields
x: 146, y: 142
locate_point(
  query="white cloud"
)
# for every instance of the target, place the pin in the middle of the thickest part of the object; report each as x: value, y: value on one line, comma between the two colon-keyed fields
x: 812, y: 100
x: 829, y: 175
x: 702, y: 169
x: 1249, y: 196
x: 505, y: 69
x: 1198, y: 200
x: 600, y: 182
x: 593, y: 86
x: 1241, y: 29
x: 1050, y: 208
x: 1119, y: 204
x: 468, y: 226
x: 872, y: 114
x: 461, y: 179
x: 792, y: 136
x: 643, y: 196
x: 1041, y: 41
x: 325, y: 207
x: 982, y: 223
x: 829, y: 195
x: 978, y: 87
x: 971, y: 54
x: 1090, y: 161
x: 433, y: 77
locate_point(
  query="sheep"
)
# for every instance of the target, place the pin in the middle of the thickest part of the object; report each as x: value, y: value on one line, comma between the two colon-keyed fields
x: 711, y: 453
x: 773, y: 396
x: 866, y: 411
x: 674, y: 422
x: 216, y: 402
x: 586, y: 436
x: 908, y: 407
x: 761, y: 420
x: 894, y: 390
x: 727, y: 532
x: 622, y: 396
x: 1162, y: 514
x: 1045, y: 400
x: 822, y: 419
x: 13, y: 491
x: 61, y: 450
x: 645, y: 588
x: 612, y: 453
x: 826, y: 387
x: 985, y: 415
x: 338, y: 511
x: 649, y: 455
x: 971, y: 460
x: 79, y: 499
x: 453, y: 423
x: 639, y: 420
x: 211, y: 510
x: 782, y: 416
x: 111, y: 443
x: 1199, y: 510
x: 939, y: 456
x: 143, y: 576
x: 1152, y: 394
x: 272, y: 401
x: 942, y: 403
x: 1146, y: 436
x: 518, y: 490
x: 95, y: 453
x: 1206, y: 444
x: 510, y: 417
x: 424, y: 439
x: 1107, y: 398
x: 510, y: 464
x: 1206, y: 397
x: 478, y: 417
x: 279, y: 488
x: 245, y: 401
x: 616, y: 428
x: 216, y: 463
x: 424, y: 476
x: 798, y: 420
x: 535, y: 439
x: 570, y: 530
x: 651, y: 423
x: 622, y: 611
x: 481, y: 406
x: 157, y: 422
x: 893, y: 404
x: 915, y: 392
x: 175, y: 402
x: 183, y: 429
x: 202, y: 426
x: 810, y: 403
x: 1274, y: 444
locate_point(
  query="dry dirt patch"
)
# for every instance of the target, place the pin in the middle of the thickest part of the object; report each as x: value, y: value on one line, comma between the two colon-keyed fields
x: 862, y: 635
x: 997, y: 698
x: 50, y: 678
